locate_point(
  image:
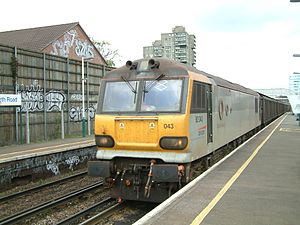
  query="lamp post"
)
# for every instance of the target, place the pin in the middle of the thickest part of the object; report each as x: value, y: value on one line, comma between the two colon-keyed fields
x: 297, y: 55
x: 83, y: 107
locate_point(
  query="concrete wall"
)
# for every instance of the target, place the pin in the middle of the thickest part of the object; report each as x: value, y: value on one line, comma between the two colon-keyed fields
x: 43, y: 166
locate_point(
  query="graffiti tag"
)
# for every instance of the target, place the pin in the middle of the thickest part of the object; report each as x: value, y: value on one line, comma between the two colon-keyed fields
x: 54, y: 101
x: 72, y: 161
x: 76, y: 97
x: 75, y: 112
x: 82, y: 48
x: 33, y: 98
x: 53, y: 167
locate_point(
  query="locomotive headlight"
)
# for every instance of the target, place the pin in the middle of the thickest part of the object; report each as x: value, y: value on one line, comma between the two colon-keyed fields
x: 173, y: 143
x: 104, y: 141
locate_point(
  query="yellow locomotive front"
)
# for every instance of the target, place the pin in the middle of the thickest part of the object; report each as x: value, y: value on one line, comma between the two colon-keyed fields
x: 142, y: 130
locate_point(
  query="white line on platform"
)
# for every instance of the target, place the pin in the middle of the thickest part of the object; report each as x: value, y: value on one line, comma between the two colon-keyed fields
x: 198, y: 220
x: 146, y: 218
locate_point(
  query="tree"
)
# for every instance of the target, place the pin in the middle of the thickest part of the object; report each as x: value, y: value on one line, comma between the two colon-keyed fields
x: 110, y: 55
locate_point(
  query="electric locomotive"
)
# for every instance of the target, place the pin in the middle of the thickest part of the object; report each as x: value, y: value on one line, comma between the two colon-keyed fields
x: 157, y: 119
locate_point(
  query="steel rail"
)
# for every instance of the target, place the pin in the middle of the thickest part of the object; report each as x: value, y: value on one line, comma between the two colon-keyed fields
x: 35, y: 189
x: 94, y: 219
x: 49, y: 204
x: 76, y: 217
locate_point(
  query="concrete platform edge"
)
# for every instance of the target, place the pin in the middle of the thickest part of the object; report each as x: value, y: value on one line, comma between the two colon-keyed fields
x: 145, y: 219
x: 41, y: 153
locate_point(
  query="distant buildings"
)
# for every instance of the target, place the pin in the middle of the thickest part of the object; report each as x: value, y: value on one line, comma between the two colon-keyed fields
x: 178, y: 45
x: 276, y: 92
x: 294, y: 83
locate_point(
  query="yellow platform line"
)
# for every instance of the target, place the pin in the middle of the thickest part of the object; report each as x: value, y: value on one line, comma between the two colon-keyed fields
x: 217, y: 198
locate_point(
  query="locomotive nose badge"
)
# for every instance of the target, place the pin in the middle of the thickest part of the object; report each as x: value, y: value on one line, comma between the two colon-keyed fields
x: 151, y: 125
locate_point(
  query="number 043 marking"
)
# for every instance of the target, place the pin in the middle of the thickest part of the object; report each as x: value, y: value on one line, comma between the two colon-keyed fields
x: 169, y: 126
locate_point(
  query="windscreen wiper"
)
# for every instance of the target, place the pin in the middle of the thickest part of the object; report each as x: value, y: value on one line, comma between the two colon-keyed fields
x: 129, y: 85
x: 151, y: 85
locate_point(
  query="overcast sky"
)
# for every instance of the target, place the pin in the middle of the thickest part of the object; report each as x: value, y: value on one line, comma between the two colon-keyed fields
x: 250, y: 42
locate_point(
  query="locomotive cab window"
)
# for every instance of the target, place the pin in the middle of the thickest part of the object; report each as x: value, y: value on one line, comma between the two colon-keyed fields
x: 142, y: 96
x: 120, y: 97
x: 162, y: 96
x: 199, y: 100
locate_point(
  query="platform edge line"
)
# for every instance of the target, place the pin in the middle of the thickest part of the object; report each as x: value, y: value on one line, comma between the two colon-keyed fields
x: 198, y: 220
x: 145, y: 219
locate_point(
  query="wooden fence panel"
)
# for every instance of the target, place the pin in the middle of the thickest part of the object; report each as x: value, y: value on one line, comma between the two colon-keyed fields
x: 47, y: 84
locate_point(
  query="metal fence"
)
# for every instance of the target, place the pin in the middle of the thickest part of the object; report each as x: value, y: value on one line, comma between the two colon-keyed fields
x: 51, y: 92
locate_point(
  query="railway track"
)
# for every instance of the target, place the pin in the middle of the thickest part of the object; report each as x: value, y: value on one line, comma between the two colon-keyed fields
x: 38, y: 188
x: 90, y: 215
x: 107, y: 206
x: 108, y: 211
x: 49, y: 204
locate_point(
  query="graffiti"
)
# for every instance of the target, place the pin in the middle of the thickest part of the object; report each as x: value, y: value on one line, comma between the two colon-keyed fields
x: 54, y: 101
x: 69, y: 38
x: 75, y: 112
x: 33, y: 101
x: 72, y: 161
x: 83, y: 49
x: 76, y: 97
x: 57, y: 45
x: 53, y: 167
x: 62, y: 47
x: 33, y: 98
x: 84, y: 158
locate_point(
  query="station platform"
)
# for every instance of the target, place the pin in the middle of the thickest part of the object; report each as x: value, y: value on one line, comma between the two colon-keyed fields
x: 258, y: 183
x: 17, y: 152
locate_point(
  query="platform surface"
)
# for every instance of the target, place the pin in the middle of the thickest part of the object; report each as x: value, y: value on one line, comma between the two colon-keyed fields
x: 259, y: 183
x: 16, y: 152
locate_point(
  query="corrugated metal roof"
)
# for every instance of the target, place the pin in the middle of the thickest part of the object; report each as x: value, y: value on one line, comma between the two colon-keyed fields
x: 35, y: 39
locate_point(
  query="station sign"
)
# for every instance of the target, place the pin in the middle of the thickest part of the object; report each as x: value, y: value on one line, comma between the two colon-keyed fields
x: 10, y: 100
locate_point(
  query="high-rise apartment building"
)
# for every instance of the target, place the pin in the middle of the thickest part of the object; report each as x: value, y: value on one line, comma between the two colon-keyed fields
x: 294, y: 83
x: 178, y: 45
